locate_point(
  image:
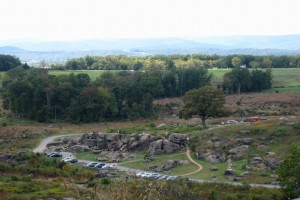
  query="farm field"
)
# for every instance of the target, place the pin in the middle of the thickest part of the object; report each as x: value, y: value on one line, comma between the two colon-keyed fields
x: 285, y: 80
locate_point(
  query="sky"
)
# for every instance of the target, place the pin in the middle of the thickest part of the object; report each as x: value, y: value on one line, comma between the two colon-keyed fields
x: 100, y: 19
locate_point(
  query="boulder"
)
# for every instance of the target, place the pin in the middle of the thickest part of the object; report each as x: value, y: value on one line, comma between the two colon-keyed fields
x: 114, y: 156
x: 170, y: 147
x: 145, y: 141
x: 177, y: 138
x: 78, y: 148
x: 133, y: 146
x: 183, y: 162
x: 238, y: 152
x: 162, y: 146
x: 213, y: 168
x: 272, y: 163
x: 229, y: 172
x: 169, y: 165
x: 212, y: 159
x: 256, y: 160
x: 271, y: 154
x: 113, y: 141
x: 246, y: 141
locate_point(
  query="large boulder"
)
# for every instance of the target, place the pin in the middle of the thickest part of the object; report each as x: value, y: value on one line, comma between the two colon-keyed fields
x: 156, y: 147
x: 212, y: 159
x: 238, y: 152
x: 78, y: 148
x: 170, y: 164
x: 177, y: 138
x: 246, y: 141
x: 170, y: 147
x: 145, y: 141
x: 272, y: 163
x: 162, y: 146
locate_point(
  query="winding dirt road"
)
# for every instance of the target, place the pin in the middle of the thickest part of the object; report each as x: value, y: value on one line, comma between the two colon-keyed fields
x: 200, y: 167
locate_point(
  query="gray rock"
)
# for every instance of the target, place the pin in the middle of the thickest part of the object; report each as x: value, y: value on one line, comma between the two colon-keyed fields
x: 78, y: 148
x: 271, y: 154
x: 246, y: 141
x: 114, y: 156
x: 183, y: 162
x: 272, y: 163
x: 170, y: 147
x: 256, y: 160
x: 238, y: 152
x: 177, y: 138
x: 170, y: 164
x: 162, y: 146
x: 212, y: 159
x: 229, y: 172
x: 260, y: 147
x: 213, y: 168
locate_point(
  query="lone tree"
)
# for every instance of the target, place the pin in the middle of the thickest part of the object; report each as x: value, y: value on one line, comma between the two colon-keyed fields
x: 289, y: 173
x: 205, y: 102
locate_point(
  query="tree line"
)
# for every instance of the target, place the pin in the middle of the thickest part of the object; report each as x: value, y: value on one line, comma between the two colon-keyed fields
x: 136, y: 63
x: 34, y: 94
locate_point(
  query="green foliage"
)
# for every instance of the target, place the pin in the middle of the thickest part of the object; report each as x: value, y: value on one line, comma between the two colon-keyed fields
x: 242, y: 80
x: 8, y: 62
x: 289, y: 173
x: 205, y: 102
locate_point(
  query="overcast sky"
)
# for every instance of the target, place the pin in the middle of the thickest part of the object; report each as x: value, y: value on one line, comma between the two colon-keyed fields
x: 87, y: 19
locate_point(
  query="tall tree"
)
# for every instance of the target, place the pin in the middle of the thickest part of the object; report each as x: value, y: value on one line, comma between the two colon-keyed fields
x: 205, y: 102
x: 289, y: 173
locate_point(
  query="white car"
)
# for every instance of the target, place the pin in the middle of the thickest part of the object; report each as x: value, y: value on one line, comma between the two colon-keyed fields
x: 232, y: 122
x: 107, y: 166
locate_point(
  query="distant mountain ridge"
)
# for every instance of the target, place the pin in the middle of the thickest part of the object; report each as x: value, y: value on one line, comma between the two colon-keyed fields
x: 59, y: 51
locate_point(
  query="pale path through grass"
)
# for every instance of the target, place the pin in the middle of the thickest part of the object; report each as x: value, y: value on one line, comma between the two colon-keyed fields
x: 200, y: 167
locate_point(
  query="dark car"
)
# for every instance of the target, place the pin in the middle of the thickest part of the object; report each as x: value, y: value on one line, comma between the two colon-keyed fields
x: 55, y: 155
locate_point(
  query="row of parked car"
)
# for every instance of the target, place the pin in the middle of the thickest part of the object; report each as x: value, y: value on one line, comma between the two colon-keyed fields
x: 69, y: 159
x: 99, y: 165
x: 156, y: 176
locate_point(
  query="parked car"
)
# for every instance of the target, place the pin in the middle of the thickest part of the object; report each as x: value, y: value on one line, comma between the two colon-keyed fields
x: 140, y: 174
x: 92, y: 164
x: 231, y: 122
x: 55, y: 155
x: 107, y: 166
x: 70, y: 160
x: 99, y: 165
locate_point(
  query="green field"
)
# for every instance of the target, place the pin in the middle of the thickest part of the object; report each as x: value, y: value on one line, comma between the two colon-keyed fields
x: 92, y: 73
x: 285, y: 80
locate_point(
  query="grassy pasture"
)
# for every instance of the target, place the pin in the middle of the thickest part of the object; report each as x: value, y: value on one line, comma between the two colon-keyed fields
x: 285, y: 80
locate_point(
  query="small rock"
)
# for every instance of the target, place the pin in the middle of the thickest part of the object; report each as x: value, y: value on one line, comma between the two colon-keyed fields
x: 229, y: 172
x: 262, y: 146
x: 213, y: 168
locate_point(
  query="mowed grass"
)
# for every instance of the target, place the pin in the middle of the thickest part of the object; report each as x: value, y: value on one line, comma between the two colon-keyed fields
x: 93, y: 74
x: 285, y: 80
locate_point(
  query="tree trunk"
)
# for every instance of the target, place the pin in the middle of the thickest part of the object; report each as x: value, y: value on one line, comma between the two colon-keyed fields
x: 239, y: 89
x: 203, y: 121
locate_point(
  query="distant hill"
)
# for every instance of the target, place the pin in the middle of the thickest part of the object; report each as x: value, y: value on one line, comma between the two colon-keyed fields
x: 60, y: 51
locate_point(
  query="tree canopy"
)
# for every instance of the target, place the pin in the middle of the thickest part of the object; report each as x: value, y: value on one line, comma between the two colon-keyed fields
x: 8, y: 62
x: 205, y: 102
x: 289, y: 173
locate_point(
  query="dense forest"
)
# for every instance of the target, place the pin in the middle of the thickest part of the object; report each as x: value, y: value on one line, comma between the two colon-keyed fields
x: 124, y: 94
x: 177, y: 61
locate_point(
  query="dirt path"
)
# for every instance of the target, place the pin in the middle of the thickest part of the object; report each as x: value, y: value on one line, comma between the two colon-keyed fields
x: 200, y: 167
